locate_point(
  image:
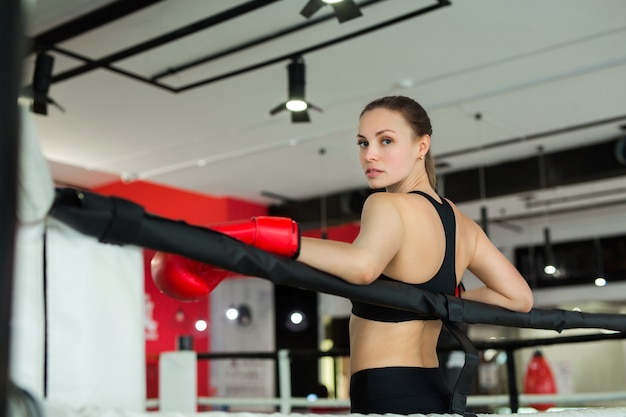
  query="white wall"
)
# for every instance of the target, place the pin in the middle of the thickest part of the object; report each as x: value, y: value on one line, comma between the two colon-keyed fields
x: 243, y: 378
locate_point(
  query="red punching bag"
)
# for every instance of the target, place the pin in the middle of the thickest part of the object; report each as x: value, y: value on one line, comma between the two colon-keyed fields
x: 539, y: 379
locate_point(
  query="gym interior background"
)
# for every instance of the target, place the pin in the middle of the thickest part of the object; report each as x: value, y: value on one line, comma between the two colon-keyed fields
x: 169, y: 107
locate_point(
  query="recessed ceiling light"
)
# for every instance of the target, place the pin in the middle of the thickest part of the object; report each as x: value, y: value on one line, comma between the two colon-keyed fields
x: 405, y: 83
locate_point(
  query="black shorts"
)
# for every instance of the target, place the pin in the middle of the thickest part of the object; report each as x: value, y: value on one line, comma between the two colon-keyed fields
x: 399, y: 390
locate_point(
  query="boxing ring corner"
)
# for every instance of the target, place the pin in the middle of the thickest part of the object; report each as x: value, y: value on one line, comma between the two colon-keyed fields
x: 117, y: 221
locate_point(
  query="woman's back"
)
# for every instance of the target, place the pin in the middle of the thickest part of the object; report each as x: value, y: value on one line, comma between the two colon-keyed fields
x: 412, y: 343
x: 422, y: 249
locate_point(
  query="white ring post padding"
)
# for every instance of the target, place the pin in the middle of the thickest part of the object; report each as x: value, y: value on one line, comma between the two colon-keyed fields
x: 177, y: 381
x: 96, y: 315
x: 35, y: 194
x: 27, y: 322
x: 35, y: 188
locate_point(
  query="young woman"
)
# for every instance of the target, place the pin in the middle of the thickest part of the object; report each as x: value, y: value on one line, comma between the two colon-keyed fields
x: 411, y: 234
x: 408, y: 234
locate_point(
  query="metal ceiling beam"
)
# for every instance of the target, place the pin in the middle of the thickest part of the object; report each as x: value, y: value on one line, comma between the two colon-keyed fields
x: 533, y: 136
x: 303, y: 51
x: 255, y: 42
x: 111, y: 68
x: 106, y: 62
x: 165, y: 38
x: 154, y: 80
x: 99, y: 17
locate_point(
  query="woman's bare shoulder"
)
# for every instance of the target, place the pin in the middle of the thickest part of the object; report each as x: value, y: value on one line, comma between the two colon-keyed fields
x: 402, y: 203
x: 383, y: 199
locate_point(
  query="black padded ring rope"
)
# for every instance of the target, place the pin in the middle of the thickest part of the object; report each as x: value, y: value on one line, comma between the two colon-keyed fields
x: 118, y: 221
x: 95, y: 215
x: 460, y: 391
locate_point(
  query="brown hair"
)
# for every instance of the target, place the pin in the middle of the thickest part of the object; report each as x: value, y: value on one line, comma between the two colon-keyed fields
x: 416, y: 117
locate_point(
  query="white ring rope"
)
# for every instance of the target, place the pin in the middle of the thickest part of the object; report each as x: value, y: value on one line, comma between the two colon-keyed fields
x: 58, y: 410
x: 583, y: 398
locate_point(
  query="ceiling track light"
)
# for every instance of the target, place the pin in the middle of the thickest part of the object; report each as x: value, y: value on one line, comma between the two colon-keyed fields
x: 296, y: 102
x: 41, y: 82
x: 344, y: 9
x: 37, y: 92
x: 549, y: 267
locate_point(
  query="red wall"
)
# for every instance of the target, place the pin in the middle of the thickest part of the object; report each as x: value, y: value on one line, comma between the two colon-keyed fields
x: 184, y: 205
x: 343, y: 233
x: 177, y: 318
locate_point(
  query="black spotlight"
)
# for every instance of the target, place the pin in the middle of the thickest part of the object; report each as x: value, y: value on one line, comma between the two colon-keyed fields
x: 245, y: 315
x: 41, y: 83
x: 296, y: 102
x: 344, y: 9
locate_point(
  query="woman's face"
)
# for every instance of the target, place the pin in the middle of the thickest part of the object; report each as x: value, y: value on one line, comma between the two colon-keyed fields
x: 388, y: 151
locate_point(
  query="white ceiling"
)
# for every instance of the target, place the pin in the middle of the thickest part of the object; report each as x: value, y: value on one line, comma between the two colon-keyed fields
x: 526, y: 66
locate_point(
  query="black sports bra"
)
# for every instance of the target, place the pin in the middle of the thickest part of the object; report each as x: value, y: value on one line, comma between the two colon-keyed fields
x: 444, y: 281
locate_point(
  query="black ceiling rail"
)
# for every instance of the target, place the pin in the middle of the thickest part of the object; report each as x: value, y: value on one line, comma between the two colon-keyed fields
x: 303, y: 51
x: 165, y: 38
x: 549, y: 202
x: 113, y: 69
x: 255, y: 42
x: 203, y: 24
x: 173, y: 70
x: 526, y: 138
x: 101, y: 16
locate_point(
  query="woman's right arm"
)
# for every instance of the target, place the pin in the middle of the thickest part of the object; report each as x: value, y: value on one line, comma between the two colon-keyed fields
x: 504, y: 285
x: 362, y: 261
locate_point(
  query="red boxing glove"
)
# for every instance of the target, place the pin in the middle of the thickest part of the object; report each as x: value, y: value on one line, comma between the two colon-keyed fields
x: 188, y: 280
x: 278, y: 235
x: 184, y: 279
